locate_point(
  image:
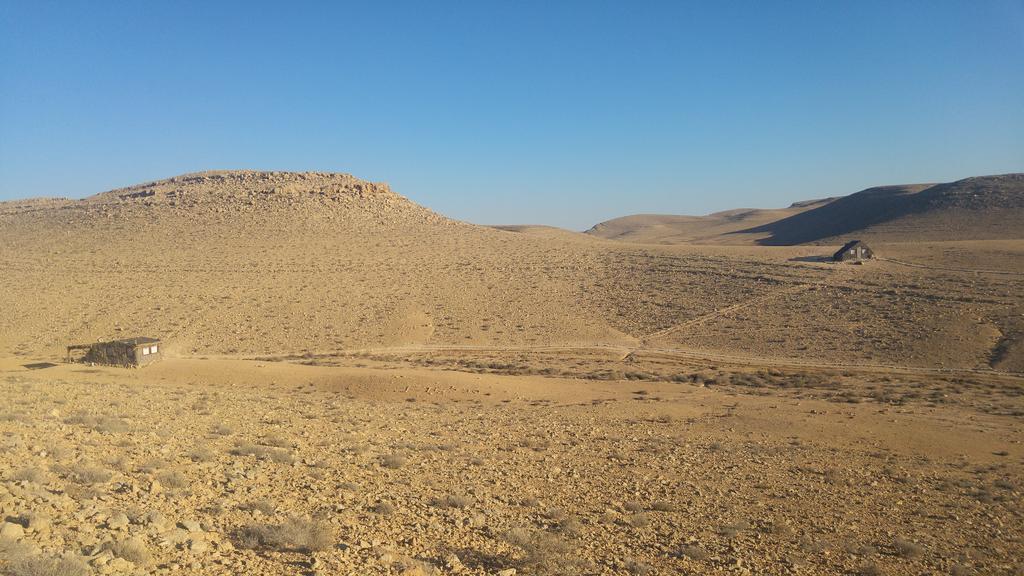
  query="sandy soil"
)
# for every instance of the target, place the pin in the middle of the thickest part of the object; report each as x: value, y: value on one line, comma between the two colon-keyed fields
x: 427, y: 471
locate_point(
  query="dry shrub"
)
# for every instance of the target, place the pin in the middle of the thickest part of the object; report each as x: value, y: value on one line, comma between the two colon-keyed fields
x: 303, y: 534
x: 662, y: 506
x: 248, y: 449
x: 393, y: 461
x: 555, y: 513
x: 454, y: 501
x: 152, y: 465
x: 111, y: 425
x: 543, y: 553
x: 638, y: 568
x: 32, y: 474
x: 870, y: 569
x: 46, y: 566
x: 570, y: 526
x: 263, y: 506
x: 638, y: 520
x: 632, y: 506
x: 277, y: 441
x: 281, y: 456
x: 172, y: 479
x: 692, y: 551
x: 906, y: 548
x: 275, y: 455
x: 133, y: 550
x: 90, y: 474
x: 202, y: 454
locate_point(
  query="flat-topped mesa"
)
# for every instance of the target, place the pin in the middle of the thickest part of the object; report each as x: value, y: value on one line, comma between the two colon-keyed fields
x: 249, y: 187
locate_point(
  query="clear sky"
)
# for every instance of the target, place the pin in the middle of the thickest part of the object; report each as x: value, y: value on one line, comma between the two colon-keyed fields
x: 562, y: 113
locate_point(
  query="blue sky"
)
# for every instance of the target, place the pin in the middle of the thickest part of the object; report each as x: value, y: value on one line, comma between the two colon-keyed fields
x: 562, y: 113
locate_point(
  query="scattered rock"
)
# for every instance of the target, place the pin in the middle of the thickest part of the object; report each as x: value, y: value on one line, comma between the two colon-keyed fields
x: 12, y: 531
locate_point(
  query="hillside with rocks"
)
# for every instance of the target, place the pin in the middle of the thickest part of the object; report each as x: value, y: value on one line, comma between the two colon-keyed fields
x: 271, y: 263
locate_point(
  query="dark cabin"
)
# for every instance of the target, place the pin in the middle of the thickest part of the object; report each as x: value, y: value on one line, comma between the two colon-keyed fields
x: 129, y: 352
x: 853, y: 251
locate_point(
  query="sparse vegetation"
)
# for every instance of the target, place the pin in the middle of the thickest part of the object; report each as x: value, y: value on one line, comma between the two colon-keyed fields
x: 542, y: 552
x: 85, y: 473
x: 172, y: 479
x: 907, y: 548
x: 42, y: 565
x: 295, y: 533
x: 393, y: 461
x: 133, y: 550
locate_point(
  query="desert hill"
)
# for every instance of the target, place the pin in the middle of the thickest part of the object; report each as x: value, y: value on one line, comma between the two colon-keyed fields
x: 979, y: 208
x: 274, y: 263
x: 710, y: 229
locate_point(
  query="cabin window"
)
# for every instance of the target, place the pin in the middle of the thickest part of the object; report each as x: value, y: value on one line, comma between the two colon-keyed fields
x: 145, y: 351
x: 152, y: 349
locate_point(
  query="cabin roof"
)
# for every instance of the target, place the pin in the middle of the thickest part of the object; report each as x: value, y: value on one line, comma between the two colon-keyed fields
x: 851, y: 244
x: 138, y: 340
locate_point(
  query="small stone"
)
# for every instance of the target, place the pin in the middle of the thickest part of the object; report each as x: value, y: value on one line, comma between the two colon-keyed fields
x: 12, y: 531
x: 197, y: 546
x: 118, y: 521
x: 506, y: 572
x: 191, y: 525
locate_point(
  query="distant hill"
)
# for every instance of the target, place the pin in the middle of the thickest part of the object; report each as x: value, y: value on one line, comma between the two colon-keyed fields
x: 979, y: 208
x: 710, y: 229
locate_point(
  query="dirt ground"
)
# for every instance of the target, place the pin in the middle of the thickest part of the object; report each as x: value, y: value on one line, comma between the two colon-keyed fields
x: 353, y: 384
x: 244, y: 466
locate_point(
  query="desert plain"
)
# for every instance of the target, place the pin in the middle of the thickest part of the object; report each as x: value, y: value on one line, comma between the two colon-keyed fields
x: 352, y: 383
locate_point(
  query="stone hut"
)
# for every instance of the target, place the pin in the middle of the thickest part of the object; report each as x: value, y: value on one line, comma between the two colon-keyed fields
x: 853, y: 251
x: 128, y: 352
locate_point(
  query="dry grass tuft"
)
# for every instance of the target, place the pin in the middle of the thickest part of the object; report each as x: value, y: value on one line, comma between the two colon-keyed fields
x: 45, y: 566
x: 303, y: 534
x: 662, y: 506
x: 543, y: 553
x: 263, y: 506
x: 393, y: 461
x: 638, y: 520
x: 692, y: 551
x: 90, y: 474
x: 172, y: 479
x: 454, y: 501
x: 906, y: 548
x: 870, y: 569
x: 133, y: 550
x: 31, y: 474
x: 202, y: 454
x: 638, y: 568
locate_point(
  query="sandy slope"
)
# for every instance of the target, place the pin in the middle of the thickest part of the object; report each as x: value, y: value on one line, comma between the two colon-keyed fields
x: 272, y: 263
x: 979, y: 208
x: 717, y: 228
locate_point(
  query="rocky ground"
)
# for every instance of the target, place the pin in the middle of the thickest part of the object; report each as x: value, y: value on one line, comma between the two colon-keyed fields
x: 213, y: 468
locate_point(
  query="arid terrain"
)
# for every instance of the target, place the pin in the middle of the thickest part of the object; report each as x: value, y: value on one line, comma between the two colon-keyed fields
x: 354, y: 384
